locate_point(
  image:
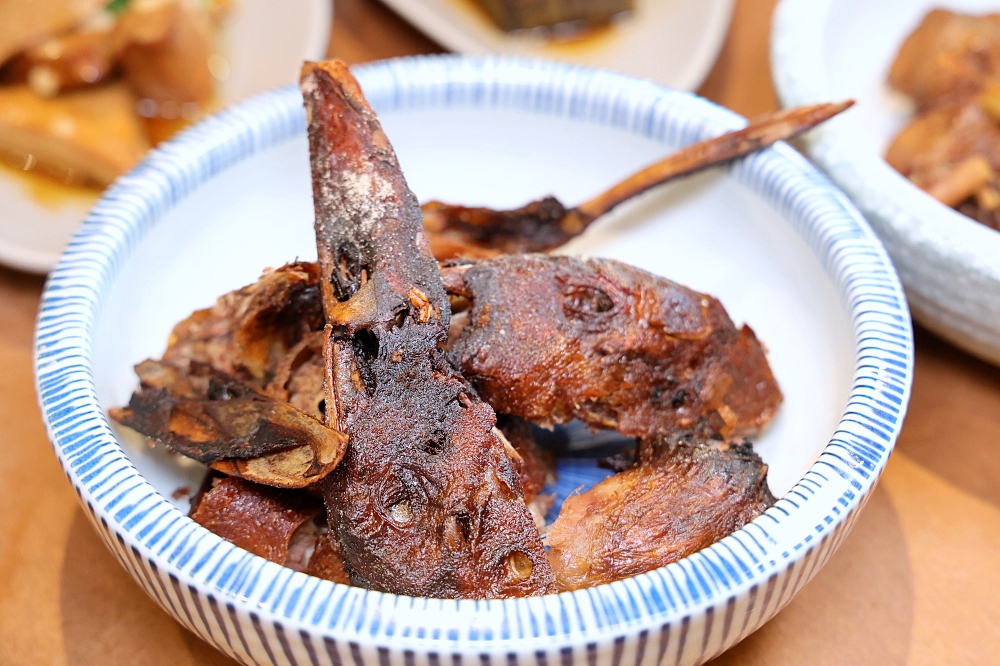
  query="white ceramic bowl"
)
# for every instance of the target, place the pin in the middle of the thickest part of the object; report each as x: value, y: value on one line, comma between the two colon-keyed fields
x: 781, y: 247
x: 823, y: 50
x: 264, y: 43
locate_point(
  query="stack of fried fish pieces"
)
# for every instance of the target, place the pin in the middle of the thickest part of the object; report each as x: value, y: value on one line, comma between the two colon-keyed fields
x: 348, y: 408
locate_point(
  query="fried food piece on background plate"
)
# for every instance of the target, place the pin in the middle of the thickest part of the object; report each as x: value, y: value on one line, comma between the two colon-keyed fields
x: 83, y: 137
x: 949, y: 58
x: 682, y: 496
x: 426, y: 501
x: 953, y: 154
x: 23, y: 24
x: 553, y: 338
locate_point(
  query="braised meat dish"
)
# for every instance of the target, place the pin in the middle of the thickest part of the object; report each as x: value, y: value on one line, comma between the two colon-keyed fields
x: 88, y: 86
x: 950, y: 67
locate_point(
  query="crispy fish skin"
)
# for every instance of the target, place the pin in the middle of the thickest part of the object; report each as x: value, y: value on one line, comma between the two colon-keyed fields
x: 535, y: 227
x: 681, y: 499
x: 248, y: 331
x: 298, y: 378
x: 553, y: 338
x: 234, y: 427
x: 426, y: 501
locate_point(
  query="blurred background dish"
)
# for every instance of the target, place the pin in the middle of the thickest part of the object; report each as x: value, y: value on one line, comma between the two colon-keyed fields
x: 85, y: 94
x: 949, y: 263
x: 671, y: 42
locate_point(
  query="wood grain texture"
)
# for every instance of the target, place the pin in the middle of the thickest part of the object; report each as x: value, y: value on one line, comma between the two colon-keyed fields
x: 912, y: 584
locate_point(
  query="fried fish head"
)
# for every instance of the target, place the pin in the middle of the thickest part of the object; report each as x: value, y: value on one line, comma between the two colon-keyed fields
x: 427, y: 497
x: 426, y: 502
x: 554, y: 338
x: 683, y: 499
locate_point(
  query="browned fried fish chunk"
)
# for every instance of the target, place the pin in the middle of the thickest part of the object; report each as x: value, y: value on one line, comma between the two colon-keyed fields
x: 555, y: 338
x: 276, y: 524
x: 234, y: 427
x: 254, y: 517
x: 679, y: 499
x: 426, y: 502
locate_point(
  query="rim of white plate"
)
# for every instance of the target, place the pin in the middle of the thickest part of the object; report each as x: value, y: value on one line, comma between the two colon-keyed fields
x: 125, y: 504
x: 453, y: 30
x: 21, y: 257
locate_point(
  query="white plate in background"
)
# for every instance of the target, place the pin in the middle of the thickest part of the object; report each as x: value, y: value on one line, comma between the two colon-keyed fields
x: 671, y: 42
x: 264, y: 42
x: 823, y: 50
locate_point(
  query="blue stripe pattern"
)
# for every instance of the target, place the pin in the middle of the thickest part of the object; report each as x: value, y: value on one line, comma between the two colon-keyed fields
x: 685, y: 613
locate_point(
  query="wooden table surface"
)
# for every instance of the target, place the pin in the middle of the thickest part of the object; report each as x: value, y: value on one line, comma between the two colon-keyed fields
x: 916, y: 582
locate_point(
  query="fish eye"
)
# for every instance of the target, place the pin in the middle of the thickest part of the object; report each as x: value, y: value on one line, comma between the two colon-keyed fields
x: 519, y: 565
x: 401, y: 512
x: 582, y: 302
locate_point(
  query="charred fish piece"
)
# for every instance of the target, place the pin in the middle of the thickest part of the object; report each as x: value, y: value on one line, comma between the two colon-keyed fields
x: 268, y: 334
x: 553, y: 338
x: 460, y: 231
x: 231, y: 426
x: 426, y: 501
x: 680, y: 498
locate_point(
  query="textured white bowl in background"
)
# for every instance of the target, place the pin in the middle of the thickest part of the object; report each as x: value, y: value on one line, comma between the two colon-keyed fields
x: 264, y: 43
x: 823, y: 50
x: 783, y: 249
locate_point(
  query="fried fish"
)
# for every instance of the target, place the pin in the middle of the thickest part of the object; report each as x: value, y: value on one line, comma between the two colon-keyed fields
x: 680, y: 498
x: 278, y: 525
x: 426, y: 501
x: 234, y: 427
x: 553, y: 338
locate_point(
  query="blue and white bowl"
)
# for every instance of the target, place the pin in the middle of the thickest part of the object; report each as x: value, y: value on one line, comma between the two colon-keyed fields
x: 783, y: 249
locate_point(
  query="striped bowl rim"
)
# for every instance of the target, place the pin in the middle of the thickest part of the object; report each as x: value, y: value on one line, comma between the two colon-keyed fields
x: 260, y: 612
